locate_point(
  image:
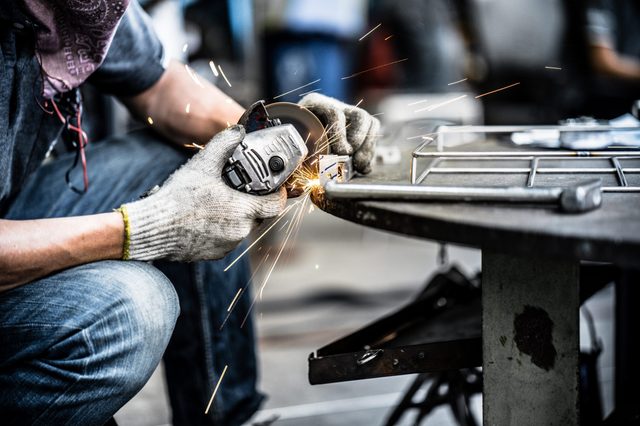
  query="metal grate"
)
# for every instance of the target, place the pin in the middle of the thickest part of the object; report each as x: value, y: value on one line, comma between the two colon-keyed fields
x: 621, y: 168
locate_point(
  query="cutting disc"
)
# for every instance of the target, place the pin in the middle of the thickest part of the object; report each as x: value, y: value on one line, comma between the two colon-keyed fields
x: 307, y: 124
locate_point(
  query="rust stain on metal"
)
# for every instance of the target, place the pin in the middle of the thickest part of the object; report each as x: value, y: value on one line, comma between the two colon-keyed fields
x: 533, y: 329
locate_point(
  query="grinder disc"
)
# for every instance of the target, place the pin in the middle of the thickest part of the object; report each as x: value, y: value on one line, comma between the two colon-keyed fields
x: 306, y: 123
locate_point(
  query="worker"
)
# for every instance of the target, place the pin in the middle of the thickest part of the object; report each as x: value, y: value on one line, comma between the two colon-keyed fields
x: 84, y: 317
x: 614, y: 51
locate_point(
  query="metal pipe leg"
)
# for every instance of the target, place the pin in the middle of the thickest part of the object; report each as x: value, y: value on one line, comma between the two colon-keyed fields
x: 530, y: 340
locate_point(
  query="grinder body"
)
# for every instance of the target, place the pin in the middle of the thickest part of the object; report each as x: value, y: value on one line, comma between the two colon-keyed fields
x: 265, y: 159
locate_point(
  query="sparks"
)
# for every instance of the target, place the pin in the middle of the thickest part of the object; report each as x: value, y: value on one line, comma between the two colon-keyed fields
x: 424, y: 137
x: 432, y: 107
x: 374, y: 68
x: 150, y: 120
x: 358, y: 104
x: 553, y: 68
x: 234, y: 299
x: 497, y: 90
x: 388, y: 37
x: 193, y: 145
x: 456, y: 82
x: 215, y: 72
x: 296, y: 89
x: 224, y: 75
x: 193, y: 75
x: 417, y: 102
x: 372, y: 30
x: 310, y: 91
x: 206, y: 411
x: 185, y: 47
x: 249, y: 281
x: 278, y: 219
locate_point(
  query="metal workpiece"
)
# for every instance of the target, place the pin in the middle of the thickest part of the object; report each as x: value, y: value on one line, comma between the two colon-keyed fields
x: 580, y: 198
x: 580, y: 164
x: 335, y: 168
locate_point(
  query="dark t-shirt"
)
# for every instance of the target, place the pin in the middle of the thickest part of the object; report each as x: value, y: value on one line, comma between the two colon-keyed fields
x: 615, y: 23
x: 133, y: 63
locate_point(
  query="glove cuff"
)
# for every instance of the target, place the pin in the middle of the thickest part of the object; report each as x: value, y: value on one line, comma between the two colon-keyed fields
x: 152, y: 230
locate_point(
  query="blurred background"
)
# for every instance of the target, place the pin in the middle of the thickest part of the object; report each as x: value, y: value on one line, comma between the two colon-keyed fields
x: 571, y: 58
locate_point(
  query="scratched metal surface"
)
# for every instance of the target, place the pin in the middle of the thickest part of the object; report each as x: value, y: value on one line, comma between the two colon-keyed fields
x: 610, y: 233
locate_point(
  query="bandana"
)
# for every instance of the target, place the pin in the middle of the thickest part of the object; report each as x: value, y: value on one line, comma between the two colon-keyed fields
x: 72, y: 38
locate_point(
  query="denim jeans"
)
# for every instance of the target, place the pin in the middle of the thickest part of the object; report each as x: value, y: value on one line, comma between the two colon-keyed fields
x: 78, y: 344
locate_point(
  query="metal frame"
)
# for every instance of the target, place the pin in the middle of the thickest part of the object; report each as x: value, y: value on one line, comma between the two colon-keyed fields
x: 534, y: 157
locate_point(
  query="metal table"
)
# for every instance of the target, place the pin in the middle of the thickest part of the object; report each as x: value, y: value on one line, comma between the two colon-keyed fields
x: 530, y: 299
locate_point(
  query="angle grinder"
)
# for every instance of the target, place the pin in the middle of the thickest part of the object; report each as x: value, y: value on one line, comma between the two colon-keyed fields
x: 274, y: 147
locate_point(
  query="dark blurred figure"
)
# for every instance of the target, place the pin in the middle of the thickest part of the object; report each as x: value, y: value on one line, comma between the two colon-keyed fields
x: 425, y: 33
x: 309, y: 41
x: 613, y: 29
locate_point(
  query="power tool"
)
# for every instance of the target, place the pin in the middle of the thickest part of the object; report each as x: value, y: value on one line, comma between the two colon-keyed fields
x: 273, y: 147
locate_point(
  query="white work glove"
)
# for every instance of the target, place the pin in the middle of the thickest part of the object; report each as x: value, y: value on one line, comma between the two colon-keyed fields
x: 195, y: 215
x: 351, y: 130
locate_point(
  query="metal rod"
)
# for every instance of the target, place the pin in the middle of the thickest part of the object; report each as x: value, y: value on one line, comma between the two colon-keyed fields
x: 448, y: 193
x: 532, y: 173
x: 518, y: 154
x: 429, y: 169
x: 521, y: 128
x: 541, y: 170
x: 620, y: 172
x: 621, y: 189
x: 578, y: 198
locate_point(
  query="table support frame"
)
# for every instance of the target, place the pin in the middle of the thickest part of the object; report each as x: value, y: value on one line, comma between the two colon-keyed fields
x: 530, y: 326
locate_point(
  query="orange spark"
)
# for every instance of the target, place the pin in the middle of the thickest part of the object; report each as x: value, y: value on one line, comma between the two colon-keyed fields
x: 296, y: 89
x: 206, y: 411
x: 374, y: 68
x: 497, y: 90
x: 372, y: 30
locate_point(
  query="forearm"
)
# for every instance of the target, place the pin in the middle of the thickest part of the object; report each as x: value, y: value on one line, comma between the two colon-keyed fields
x: 184, y: 110
x: 31, y: 249
x: 607, y: 61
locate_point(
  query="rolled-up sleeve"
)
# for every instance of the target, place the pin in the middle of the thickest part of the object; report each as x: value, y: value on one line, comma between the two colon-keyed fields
x: 135, y: 60
x: 601, y: 27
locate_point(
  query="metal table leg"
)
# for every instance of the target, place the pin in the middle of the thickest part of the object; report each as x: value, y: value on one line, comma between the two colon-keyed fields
x: 530, y: 340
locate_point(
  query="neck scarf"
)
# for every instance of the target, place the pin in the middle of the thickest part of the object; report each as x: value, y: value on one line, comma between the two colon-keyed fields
x: 72, y: 38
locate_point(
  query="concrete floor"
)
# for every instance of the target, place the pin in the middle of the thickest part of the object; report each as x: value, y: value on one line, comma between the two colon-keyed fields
x: 382, y: 271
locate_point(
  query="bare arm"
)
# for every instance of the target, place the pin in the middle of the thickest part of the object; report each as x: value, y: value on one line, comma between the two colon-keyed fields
x: 210, y: 109
x: 35, y: 248
x: 30, y: 249
x: 608, y: 62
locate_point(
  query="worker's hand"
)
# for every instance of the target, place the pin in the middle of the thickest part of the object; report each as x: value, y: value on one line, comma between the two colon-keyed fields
x: 351, y: 130
x: 195, y: 215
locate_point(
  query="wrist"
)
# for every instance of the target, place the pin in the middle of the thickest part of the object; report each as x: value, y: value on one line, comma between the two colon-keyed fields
x: 152, y: 232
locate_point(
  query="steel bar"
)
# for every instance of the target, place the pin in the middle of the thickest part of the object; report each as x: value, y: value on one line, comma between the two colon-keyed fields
x: 532, y: 172
x: 620, y: 171
x: 583, y: 197
x: 561, y: 154
x: 521, y: 128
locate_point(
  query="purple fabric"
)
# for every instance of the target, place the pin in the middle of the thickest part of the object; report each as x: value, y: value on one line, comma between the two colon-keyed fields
x: 72, y: 38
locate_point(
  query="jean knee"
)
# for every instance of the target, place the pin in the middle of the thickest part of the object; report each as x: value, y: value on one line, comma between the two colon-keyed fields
x: 137, y: 322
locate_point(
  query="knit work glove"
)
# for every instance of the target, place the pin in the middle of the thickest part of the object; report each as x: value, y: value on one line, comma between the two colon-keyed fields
x: 195, y: 215
x: 351, y: 130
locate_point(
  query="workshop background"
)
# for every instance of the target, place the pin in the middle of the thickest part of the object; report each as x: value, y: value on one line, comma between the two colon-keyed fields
x: 335, y: 277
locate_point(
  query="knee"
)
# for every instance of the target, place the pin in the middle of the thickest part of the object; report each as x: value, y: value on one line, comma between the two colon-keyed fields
x: 139, y: 308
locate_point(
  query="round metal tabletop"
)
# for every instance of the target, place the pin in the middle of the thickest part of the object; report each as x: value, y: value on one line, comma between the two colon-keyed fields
x: 610, y: 233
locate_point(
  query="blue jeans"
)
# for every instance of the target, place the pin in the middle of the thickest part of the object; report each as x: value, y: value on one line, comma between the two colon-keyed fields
x: 78, y: 344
